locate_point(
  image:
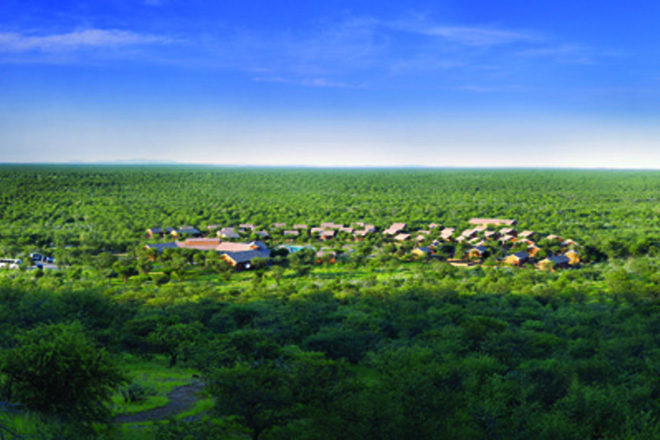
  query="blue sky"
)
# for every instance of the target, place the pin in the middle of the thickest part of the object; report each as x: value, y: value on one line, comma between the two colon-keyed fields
x: 332, y: 83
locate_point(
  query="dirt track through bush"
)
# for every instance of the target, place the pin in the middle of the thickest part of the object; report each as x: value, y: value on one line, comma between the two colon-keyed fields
x: 181, y: 399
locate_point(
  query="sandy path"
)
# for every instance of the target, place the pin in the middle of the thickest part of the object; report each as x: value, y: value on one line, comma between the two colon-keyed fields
x: 181, y: 400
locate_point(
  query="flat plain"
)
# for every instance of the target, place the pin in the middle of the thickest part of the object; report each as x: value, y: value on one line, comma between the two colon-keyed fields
x: 347, y: 337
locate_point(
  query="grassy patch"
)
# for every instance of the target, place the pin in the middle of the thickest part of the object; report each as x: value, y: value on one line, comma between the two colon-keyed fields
x: 144, y: 430
x: 200, y: 407
x: 154, y: 374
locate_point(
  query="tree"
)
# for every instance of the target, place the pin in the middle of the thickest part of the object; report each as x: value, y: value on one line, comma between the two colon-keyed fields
x: 174, y: 340
x: 257, y: 394
x: 304, y: 257
x: 104, y: 261
x: 269, y: 393
x: 413, y: 393
x: 125, y: 269
x: 56, y: 370
x: 259, y: 263
x: 277, y: 272
x: 200, y: 259
x: 341, y: 342
x: 365, y: 249
x: 461, y: 249
x: 176, y: 265
x: 205, y: 428
x: 145, y: 265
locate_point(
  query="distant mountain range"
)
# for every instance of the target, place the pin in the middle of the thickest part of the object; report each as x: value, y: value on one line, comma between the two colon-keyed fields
x: 136, y: 162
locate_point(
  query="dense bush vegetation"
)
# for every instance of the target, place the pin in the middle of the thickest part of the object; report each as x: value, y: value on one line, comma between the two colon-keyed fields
x: 377, y: 345
x: 95, y: 209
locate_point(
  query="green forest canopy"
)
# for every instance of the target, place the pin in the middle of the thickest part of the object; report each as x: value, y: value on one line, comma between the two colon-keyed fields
x: 105, y: 208
x: 380, y: 349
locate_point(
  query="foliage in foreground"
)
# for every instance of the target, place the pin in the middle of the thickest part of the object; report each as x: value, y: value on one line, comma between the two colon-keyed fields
x: 57, y: 371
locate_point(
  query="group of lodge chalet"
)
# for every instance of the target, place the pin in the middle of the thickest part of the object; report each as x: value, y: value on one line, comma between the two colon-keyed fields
x: 326, y: 231
x: 241, y: 254
x: 479, y: 236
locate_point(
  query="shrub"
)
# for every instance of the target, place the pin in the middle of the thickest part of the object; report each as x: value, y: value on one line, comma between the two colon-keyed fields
x: 137, y: 392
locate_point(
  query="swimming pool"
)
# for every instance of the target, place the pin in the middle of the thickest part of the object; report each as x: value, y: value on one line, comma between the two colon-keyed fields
x: 294, y: 249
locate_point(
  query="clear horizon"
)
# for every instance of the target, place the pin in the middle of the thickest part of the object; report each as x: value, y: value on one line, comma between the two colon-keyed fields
x: 156, y: 164
x: 332, y: 84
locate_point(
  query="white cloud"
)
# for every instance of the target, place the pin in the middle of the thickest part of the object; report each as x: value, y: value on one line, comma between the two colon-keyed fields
x: 88, y: 38
x: 357, y: 45
x: 489, y: 89
x: 308, y: 82
x: 324, y: 82
x: 478, y: 36
x: 368, y: 45
x: 566, y: 54
x: 464, y: 35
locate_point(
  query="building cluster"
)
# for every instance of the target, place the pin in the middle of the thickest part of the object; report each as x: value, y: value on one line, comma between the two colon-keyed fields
x: 481, y: 237
x: 239, y: 255
x: 325, y: 231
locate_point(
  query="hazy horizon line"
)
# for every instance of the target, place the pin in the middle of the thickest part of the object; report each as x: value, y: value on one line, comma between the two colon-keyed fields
x: 167, y: 163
